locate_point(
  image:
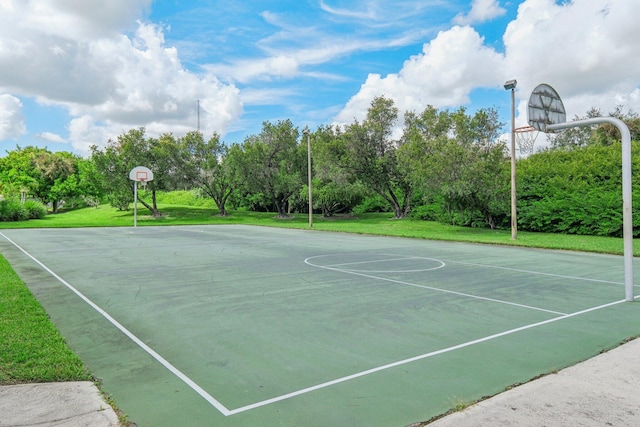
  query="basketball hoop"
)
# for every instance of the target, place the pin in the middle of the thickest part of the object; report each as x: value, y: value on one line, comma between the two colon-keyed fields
x: 139, y: 174
x: 526, y: 138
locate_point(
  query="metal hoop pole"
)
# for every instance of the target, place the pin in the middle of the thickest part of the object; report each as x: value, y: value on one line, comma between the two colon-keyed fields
x: 627, y: 216
x: 135, y: 204
x: 306, y: 132
x: 514, y: 219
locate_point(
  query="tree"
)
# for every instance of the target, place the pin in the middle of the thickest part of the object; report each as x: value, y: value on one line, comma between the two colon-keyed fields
x: 273, y: 164
x: 114, y: 176
x: 50, y: 177
x: 603, y: 134
x: 334, y: 188
x: 57, y: 178
x: 17, y: 171
x: 210, y: 166
x: 133, y: 149
x: 371, y: 156
x: 458, y: 159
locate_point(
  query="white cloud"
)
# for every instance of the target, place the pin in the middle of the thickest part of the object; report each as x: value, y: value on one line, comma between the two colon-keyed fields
x: 481, y: 11
x: 586, y: 50
x: 11, y: 118
x: 75, y: 55
x: 368, y: 13
x: 443, y: 75
x: 51, y: 137
x: 76, y: 20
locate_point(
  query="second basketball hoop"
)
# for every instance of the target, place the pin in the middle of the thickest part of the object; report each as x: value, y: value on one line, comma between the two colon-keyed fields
x: 526, y: 138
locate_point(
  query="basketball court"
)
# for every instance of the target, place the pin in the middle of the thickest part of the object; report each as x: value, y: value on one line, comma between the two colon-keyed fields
x: 237, y: 325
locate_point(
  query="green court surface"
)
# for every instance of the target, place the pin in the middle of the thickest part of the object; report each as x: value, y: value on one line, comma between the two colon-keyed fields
x: 245, y: 326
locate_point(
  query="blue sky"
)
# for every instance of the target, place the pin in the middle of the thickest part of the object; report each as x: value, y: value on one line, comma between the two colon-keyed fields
x: 72, y: 75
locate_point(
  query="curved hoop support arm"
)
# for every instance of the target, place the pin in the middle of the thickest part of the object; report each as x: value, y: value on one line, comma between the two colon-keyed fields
x: 627, y: 217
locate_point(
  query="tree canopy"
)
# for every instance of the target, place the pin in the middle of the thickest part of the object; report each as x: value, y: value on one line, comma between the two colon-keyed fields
x: 445, y: 165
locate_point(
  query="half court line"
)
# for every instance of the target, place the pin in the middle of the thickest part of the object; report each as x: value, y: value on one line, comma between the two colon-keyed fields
x: 188, y: 381
x: 431, y: 288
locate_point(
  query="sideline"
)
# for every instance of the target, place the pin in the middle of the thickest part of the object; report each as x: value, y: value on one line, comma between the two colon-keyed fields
x: 195, y: 387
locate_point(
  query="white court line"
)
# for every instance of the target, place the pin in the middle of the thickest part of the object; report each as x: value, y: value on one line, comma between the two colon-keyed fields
x: 373, y: 261
x: 441, y: 264
x: 188, y: 381
x: 416, y: 358
x: 540, y: 273
x: 431, y: 288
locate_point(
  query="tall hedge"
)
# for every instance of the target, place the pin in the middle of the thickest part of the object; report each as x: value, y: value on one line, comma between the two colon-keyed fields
x: 576, y: 191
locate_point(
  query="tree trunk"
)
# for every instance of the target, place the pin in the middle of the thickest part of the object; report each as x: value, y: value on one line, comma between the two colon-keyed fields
x: 154, y: 209
x: 222, y: 211
x: 282, y: 209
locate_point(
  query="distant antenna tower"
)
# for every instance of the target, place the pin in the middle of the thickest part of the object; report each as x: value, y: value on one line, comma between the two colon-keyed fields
x: 198, y: 115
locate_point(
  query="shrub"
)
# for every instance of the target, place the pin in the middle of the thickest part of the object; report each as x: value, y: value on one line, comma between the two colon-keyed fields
x: 12, y: 210
x: 372, y: 204
x: 34, y: 209
x: 430, y: 212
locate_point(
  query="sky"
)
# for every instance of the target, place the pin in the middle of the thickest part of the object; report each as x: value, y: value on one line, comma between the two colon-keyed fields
x: 73, y: 75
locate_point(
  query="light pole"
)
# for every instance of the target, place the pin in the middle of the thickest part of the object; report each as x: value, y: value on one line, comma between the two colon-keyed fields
x: 511, y: 85
x: 306, y: 133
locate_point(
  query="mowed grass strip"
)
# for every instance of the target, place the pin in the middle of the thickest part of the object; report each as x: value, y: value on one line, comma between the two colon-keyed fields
x: 31, y: 348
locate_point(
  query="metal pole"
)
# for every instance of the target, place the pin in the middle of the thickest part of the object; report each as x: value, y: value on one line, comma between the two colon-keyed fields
x: 514, y: 218
x: 306, y: 132
x: 627, y: 217
x: 135, y: 204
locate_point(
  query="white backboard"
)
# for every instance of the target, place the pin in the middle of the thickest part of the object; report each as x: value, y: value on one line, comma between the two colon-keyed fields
x: 141, y: 174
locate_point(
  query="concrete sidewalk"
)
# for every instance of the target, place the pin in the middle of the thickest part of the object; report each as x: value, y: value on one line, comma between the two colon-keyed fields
x: 69, y: 404
x: 602, y: 391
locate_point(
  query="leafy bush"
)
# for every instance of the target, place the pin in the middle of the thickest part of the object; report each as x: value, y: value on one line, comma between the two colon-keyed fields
x: 574, y: 191
x: 120, y: 199
x: 430, y: 212
x: 13, y: 210
x: 35, y: 210
x: 372, y: 204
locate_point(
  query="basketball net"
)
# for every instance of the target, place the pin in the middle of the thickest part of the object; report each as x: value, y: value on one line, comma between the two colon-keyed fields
x: 143, y: 182
x: 525, y: 138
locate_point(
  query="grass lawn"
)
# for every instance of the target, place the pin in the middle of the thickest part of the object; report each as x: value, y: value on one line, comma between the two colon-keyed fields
x: 32, y: 350
x: 371, y: 223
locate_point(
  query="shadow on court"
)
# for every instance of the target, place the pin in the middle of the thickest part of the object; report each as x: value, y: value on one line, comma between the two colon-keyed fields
x: 238, y: 325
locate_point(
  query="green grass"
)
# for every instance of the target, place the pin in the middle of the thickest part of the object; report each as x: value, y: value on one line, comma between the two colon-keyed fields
x: 31, y: 348
x: 378, y: 224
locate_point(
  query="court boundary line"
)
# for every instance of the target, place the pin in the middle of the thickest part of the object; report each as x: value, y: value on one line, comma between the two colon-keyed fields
x: 416, y: 358
x: 227, y: 412
x: 431, y: 288
x: 164, y: 362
